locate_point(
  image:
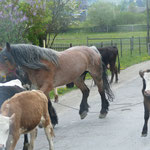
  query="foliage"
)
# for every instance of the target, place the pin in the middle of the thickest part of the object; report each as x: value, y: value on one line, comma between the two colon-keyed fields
x: 124, y: 18
x: 64, y: 14
x: 47, y: 18
x: 38, y: 14
x: 102, y: 15
x: 35, y: 20
x: 12, y: 22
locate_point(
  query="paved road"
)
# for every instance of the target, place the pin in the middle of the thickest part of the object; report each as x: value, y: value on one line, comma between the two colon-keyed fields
x: 120, y: 130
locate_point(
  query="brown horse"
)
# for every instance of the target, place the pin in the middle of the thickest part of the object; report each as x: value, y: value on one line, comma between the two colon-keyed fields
x: 48, y: 69
x: 22, y: 114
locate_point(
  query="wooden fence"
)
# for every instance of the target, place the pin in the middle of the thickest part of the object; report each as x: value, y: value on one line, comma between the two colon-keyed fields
x: 132, y: 46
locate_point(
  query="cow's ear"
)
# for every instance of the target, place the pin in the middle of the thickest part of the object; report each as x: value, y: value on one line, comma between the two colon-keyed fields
x: 8, y: 46
x: 141, y: 73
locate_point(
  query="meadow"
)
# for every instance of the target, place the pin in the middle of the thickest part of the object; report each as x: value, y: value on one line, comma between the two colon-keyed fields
x: 81, y: 37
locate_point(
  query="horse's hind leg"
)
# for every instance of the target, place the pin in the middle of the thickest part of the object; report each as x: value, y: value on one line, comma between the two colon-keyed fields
x: 112, y: 75
x: 85, y: 91
x: 99, y: 75
x: 112, y: 70
x: 104, y: 102
x: 116, y: 73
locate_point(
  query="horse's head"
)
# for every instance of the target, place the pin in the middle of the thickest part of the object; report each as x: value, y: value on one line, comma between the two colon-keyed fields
x: 145, y: 75
x: 7, y: 63
x: 5, y: 124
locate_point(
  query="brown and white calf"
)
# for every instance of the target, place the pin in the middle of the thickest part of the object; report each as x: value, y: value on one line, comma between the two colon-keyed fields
x: 145, y: 75
x: 22, y: 114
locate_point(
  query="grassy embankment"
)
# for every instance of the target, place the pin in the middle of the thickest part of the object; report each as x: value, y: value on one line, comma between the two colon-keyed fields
x: 125, y: 61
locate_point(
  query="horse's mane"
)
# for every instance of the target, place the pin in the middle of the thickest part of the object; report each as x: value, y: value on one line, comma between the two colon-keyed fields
x: 30, y: 56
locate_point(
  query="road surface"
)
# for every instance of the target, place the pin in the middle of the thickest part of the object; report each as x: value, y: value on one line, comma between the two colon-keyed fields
x: 120, y: 130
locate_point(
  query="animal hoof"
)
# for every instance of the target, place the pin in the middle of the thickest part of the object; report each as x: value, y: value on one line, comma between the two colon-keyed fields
x: 144, y: 135
x: 83, y: 115
x: 101, y: 116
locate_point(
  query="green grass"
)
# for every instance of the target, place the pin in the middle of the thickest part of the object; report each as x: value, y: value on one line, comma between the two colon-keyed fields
x: 125, y: 61
x: 81, y: 38
x: 61, y: 91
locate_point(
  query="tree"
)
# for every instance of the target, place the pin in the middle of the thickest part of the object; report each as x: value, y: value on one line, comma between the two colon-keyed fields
x: 63, y: 15
x: 102, y: 15
x: 12, y: 22
x: 38, y: 14
x: 125, y: 18
x: 46, y: 19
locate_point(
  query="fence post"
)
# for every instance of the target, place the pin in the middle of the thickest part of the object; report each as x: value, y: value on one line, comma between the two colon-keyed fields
x: 148, y: 45
x: 101, y: 44
x: 87, y: 41
x: 70, y: 44
x: 131, y: 45
x: 111, y: 42
x: 139, y: 45
x: 121, y: 46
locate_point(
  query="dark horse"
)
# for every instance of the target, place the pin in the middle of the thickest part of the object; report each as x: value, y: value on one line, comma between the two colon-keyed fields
x: 48, y: 69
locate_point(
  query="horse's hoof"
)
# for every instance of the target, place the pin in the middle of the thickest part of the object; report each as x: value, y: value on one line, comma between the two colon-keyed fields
x: 83, y: 115
x: 144, y: 135
x: 101, y: 116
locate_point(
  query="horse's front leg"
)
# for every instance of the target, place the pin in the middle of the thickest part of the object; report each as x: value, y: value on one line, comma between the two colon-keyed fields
x: 46, y: 88
x: 85, y: 93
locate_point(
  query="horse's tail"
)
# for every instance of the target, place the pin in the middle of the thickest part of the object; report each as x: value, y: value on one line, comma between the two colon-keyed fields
x: 52, y: 113
x: 106, y: 85
x: 118, y: 63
